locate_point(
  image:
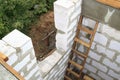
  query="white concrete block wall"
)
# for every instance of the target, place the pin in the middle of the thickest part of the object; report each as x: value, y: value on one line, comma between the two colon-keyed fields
x: 105, y: 53
x: 104, y: 57
x: 19, y: 49
x: 67, y: 15
x: 103, y: 62
x: 53, y: 67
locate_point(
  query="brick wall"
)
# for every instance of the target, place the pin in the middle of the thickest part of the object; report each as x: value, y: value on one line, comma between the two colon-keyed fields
x: 103, y: 61
x: 19, y: 49
x: 66, y: 14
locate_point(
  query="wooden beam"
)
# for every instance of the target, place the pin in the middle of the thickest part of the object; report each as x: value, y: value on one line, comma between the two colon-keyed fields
x: 87, y: 78
x: 9, y: 68
x: 3, y: 56
x: 113, y: 3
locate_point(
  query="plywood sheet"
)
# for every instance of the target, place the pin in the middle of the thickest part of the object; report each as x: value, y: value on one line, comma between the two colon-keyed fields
x: 113, y: 3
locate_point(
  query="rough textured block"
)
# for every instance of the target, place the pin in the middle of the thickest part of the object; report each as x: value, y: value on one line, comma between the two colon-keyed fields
x: 115, y: 45
x: 94, y: 55
x: 30, y: 65
x: 22, y: 64
x: 64, y: 41
x: 32, y: 73
x: 100, y: 49
x: 72, y: 25
x: 64, y: 46
x: 89, y: 22
x: 44, y: 68
x: 95, y: 76
x: 49, y: 64
x: 75, y: 15
x: 113, y: 74
x: 27, y: 46
x: 16, y: 39
x: 104, y: 76
x: 110, y: 54
x: 111, y: 32
x: 63, y: 10
x: 64, y: 36
x: 90, y: 68
x: 99, y: 66
x: 53, y: 58
x: 6, y: 49
x: 101, y: 39
x: 111, y: 64
x: 20, y: 42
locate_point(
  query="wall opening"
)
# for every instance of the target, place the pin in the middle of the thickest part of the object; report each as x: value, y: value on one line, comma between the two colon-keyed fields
x: 44, y: 35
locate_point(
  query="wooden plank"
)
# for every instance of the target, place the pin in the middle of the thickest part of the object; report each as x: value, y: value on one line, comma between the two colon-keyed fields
x: 74, y: 73
x: 4, y: 57
x: 9, y: 68
x: 82, y: 42
x: 113, y: 3
x: 76, y: 64
x: 66, y: 77
x: 80, y: 54
x: 83, y: 28
x: 87, y: 78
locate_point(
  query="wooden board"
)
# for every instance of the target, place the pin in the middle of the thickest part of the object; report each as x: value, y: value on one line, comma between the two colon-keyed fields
x: 113, y: 3
x: 87, y: 78
x: 11, y: 70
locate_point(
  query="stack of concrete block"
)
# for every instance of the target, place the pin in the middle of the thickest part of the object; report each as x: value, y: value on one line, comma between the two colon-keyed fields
x: 19, y: 49
x: 67, y: 15
x: 53, y: 67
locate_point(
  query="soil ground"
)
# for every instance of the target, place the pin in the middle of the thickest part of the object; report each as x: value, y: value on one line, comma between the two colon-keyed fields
x: 43, y: 35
